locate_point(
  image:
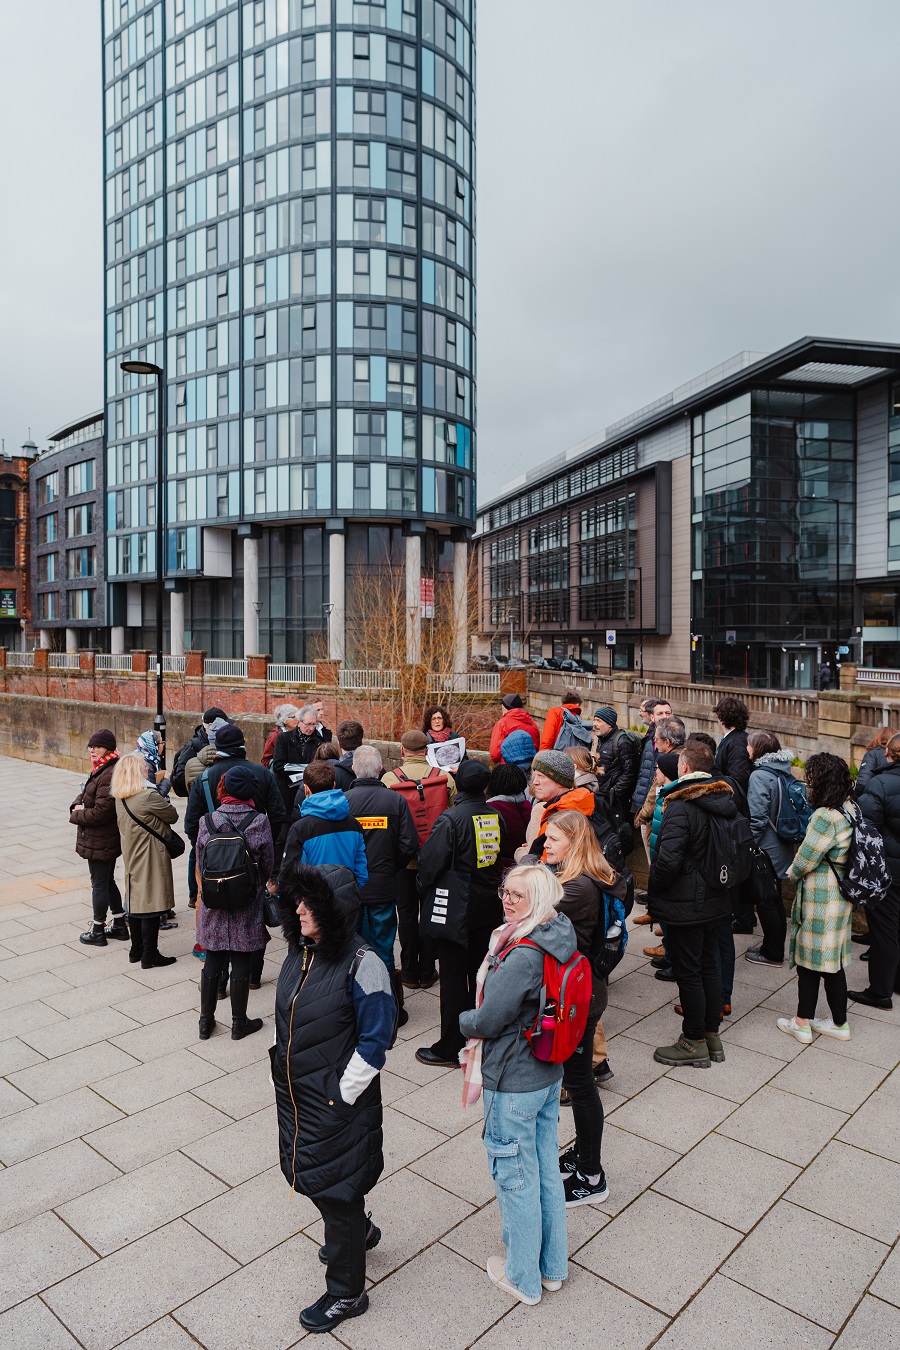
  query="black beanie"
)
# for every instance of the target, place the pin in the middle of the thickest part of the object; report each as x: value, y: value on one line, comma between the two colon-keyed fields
x: 103, y: 739
x: 511, y: 701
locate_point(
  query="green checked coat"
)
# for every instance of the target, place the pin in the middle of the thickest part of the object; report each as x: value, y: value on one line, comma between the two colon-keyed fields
x: 821, y: 917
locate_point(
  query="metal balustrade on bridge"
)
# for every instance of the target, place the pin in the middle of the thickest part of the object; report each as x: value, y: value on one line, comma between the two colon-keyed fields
x: 282, y: 673
x: 876, y: 675
x: 362, y: 680
x: 464, y: 682
x: 120, y: 663
x: 172, y: 665
x: 64, y: 661
x: 229, y: 668
x: 20, y: 660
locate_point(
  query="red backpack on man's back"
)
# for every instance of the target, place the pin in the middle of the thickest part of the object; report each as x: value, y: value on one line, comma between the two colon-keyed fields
x: 427, y: 798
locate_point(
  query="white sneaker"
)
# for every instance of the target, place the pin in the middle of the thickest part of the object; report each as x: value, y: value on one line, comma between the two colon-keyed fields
x: 791, y: 1027
x: 551, y: 1285
x: 496, y: 1269
x: 825, y: 1027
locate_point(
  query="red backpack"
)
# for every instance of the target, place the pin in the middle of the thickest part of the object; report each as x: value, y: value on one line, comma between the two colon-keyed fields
x: 565, y: 1002
x: 426, y: 799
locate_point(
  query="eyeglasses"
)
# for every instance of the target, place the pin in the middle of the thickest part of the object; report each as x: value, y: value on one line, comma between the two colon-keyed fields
x: 504, y: 894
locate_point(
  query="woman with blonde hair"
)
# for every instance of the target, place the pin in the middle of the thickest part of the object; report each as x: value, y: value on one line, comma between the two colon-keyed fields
x: 575, y: 856
x: 585, y: 773
x: 521, y: 1093
x: 145, y: 819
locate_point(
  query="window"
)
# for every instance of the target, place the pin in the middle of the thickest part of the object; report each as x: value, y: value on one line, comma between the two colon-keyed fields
x: 46, y: 567
x: 48, y: 605
x: 46, y: 528
x: 79, y: 520
x: 7, y: 545
x: 81, y: 604
x: 47, y: 489
x: 80, y: 478
x: 81, y: 562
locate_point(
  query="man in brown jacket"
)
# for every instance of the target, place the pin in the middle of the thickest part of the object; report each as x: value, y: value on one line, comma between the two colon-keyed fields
x: 417, y: 954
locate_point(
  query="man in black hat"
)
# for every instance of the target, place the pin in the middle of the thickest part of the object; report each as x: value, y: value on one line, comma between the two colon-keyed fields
x: 469, y: 837
x: 615, y: 757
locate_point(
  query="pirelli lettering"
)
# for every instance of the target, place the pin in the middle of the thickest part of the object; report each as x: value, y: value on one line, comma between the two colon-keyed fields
x: 373, y: 822
x: 487, y: 839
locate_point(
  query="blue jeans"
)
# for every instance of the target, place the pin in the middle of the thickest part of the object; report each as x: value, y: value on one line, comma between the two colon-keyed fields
x: 378, y: 927
x: 521, y: 1141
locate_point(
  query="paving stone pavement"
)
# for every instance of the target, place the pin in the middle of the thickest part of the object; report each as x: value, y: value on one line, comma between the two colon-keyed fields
x: 756, y: 1203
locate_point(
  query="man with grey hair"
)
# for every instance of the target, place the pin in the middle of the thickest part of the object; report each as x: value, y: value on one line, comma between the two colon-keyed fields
x: 392, y: 841
x: 670, y: 735
x: 286, y: 715
x: 297, y: 746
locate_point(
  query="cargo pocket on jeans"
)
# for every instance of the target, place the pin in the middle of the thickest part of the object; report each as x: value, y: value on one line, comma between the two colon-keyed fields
x: 505, y: 1163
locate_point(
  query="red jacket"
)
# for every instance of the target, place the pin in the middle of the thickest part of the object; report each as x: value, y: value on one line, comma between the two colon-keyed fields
x: 516, y: 719
x: 554, y: 722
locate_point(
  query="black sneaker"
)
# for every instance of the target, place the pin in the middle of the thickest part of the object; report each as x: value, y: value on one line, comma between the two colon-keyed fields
x: 603, y: 1073
x: 579, y: 1190
x: 373, y: 1237
x: 755, y: 956
x: 568, y: 1162
x: 118, y: 928
x: 328, y: 1311
x: 94, y: 937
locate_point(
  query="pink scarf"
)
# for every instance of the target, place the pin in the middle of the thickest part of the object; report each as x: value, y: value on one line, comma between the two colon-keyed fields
x: 441, y: 736
x: 470, y: 1055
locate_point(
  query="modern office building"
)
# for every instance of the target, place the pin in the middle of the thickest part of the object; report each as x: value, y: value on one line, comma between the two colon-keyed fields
x: 745, y: 527
x: 15, y: 608
x: 290, y: 235
x: 67, y: 537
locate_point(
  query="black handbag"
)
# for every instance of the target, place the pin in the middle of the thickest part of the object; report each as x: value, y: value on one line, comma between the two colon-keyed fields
x: 271, y: 910
x: 762, y: 884
x: 173, y: 843
x: 445, y: 905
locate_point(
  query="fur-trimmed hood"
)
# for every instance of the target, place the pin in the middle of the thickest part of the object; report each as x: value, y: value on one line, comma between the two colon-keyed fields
x: 331, y: 893
x: 711, y: 794
x: 775, y: 759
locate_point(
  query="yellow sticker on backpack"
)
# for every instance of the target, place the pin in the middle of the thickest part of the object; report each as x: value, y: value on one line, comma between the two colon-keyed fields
x: 487, y: 839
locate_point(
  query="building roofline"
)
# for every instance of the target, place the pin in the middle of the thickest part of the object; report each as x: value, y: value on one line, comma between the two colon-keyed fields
x: 882, y: 358
x: 71, y: 427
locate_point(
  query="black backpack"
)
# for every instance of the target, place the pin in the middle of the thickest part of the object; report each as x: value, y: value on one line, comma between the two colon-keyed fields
x: 229, y: 878
x: 609, y: 836
x: 867, y: 877
x: 729, y: 852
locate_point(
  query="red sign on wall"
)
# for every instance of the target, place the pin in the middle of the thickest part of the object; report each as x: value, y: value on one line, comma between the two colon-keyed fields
x: 426, y: 598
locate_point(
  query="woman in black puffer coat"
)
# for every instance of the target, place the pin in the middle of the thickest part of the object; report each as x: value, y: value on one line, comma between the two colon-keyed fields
x: 94, y: 812
x: 880, y: 804
x: 334, y: 1022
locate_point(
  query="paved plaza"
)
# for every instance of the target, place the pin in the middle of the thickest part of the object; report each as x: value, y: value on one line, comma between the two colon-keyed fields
x: 754, y: 1204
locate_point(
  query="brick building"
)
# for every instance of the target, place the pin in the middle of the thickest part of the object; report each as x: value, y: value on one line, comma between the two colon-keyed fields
x: 15, y: 610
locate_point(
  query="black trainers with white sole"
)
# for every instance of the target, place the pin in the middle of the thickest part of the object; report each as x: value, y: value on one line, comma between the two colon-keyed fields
x: 568, y: 1161
x: 328, y: 1311
x: 580, y: 1191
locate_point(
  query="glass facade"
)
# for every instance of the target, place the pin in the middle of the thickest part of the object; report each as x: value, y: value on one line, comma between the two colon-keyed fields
x: 773, y: 530
x: 290, y: 234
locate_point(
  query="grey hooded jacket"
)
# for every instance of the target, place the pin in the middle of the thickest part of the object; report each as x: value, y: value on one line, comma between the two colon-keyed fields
x: 768, y: 779
x: 512, y: 994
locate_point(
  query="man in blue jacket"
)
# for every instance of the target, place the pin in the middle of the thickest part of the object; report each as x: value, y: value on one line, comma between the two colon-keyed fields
x: 323, y: 830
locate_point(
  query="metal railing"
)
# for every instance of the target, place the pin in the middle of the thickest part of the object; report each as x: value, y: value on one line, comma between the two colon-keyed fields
x: 64, y: 661
x: 465, y: 682
x: 368, y: 679
x: 232, y: 668
x: 867, y: 675
x: 172, y: 665
x: 119, y: 662
x: 281, y: 673
x: 22, y: 660
x: 560, y: 680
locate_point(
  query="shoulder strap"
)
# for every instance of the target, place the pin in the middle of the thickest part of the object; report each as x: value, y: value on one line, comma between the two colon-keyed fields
x: 141, y: 823
x: 398, y: 773
x: 204, y: 779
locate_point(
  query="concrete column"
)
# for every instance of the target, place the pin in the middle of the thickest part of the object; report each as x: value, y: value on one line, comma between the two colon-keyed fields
x: 45, y: 639
x: 460, y: 606
x: 117, y: 641
x: 176, y: 623
x: 71, y: 639
x: 251, y: 597
x: 336, y: 596
x: 413, y: 603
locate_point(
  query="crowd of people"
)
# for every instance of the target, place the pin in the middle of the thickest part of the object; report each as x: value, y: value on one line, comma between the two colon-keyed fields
x: 510, y: 885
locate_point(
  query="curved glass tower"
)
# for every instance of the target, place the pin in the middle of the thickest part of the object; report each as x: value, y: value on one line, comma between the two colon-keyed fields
x: 290, y: 235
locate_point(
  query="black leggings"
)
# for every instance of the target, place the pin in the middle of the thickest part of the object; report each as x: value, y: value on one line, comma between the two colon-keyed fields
x: 217, y: 962
x: 587, y: 1108
x: 835, y: 991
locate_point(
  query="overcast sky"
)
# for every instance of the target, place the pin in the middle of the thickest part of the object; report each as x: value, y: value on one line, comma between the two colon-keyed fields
x: 661, y: 184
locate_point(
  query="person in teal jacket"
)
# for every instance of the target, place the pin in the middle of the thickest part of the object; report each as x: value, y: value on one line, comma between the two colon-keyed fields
x: 323, y: 830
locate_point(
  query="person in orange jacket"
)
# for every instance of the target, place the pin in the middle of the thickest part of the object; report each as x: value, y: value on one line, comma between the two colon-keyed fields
x: 514, y: 718
x: 552, y: 789
x: 554, y: 719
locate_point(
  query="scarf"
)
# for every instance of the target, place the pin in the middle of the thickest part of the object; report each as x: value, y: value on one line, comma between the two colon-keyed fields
x: 101, y: 763
x: 440, y: 736
x: 471, y: 1054
x: 146, y: 744
x: 228, y: 800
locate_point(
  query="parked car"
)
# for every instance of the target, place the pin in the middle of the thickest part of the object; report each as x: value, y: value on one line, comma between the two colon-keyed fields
x: 546, y: 663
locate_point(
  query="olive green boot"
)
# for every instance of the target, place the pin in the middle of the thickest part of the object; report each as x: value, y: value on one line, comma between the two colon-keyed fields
x: 715, y: 1047
x: 684, y: 1052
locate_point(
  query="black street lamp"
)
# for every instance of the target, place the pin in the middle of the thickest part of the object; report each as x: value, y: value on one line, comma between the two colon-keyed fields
x: 147, y: 368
